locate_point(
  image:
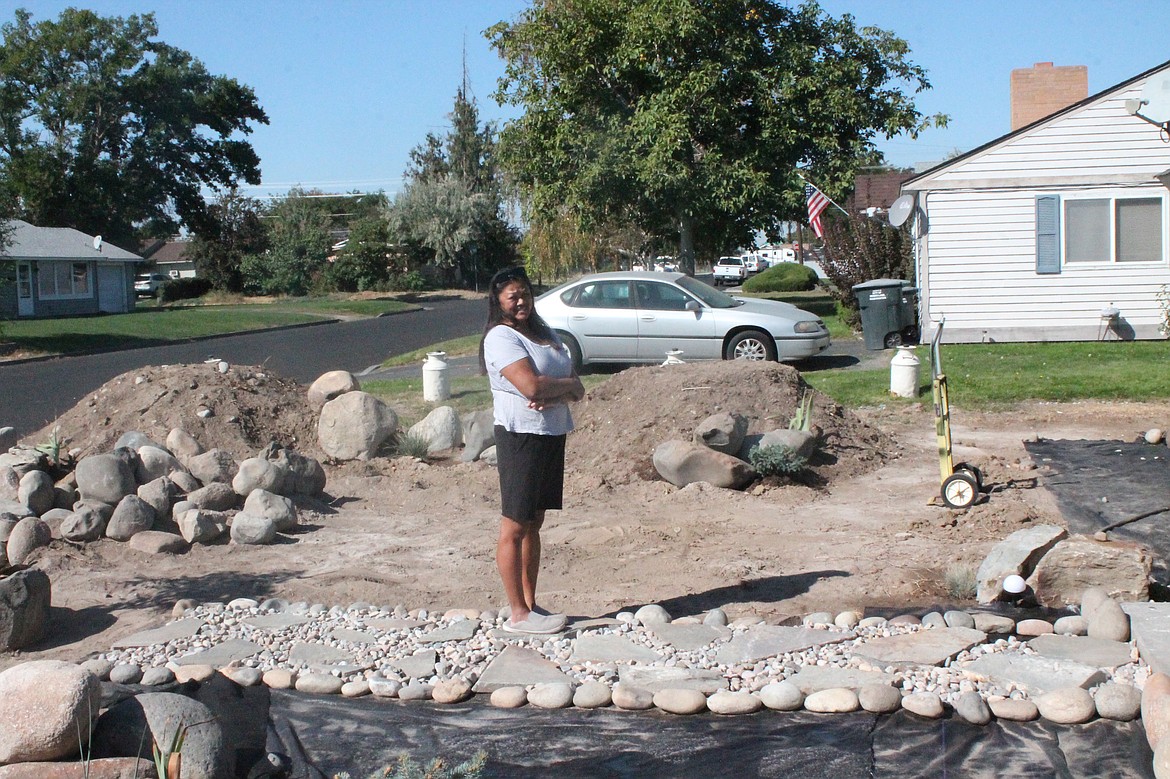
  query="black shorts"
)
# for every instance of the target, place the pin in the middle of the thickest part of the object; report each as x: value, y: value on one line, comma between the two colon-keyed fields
x: 532, y: 473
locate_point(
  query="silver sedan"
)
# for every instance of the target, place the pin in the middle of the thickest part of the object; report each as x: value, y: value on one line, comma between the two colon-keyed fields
x: 641, y: 316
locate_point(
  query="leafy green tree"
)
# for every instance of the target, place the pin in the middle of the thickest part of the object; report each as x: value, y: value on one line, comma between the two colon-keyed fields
x: 108, y: 130
x: 234, y: 229
x: 692, y: 116
x: 366, y: 260
x: 298, y: 248
x: 445, y: 217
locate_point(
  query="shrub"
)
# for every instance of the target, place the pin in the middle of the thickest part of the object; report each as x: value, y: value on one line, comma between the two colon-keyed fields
x: 776, y: 460
x: 783, y: 277
x: 183, y: 289
x: 412, y: 445
x: 961, y: 581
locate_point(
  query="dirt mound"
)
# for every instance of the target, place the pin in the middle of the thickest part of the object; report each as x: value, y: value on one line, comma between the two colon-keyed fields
x: 620, y: 422
x: 248, y: 406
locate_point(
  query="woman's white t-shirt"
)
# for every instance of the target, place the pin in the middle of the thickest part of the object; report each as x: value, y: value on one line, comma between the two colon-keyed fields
x: 503, y: 346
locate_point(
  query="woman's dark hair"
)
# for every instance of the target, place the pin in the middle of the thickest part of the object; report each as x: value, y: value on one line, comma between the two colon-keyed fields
x: 495, y: 315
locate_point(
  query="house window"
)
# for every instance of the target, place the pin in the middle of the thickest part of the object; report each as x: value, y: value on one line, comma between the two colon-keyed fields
x: 62, y: 280
x: 1113, y: 230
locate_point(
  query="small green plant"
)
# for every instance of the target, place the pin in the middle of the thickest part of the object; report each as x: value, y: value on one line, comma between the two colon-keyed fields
x: 776, y: 460
x: 961, y: 582
x: 802, y: 419
x: 1163, y: 298
x: 412, y: 445
x: 407, y: 768
x: 168, y: 760
x: 52, y: 447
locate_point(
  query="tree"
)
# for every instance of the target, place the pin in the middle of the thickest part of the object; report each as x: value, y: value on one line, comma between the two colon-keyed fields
x: 365, y: 261
x: 460, y: 169
x: 108, y: 130
x: 691, y: 117
x: 233, y: 230
x: 298, y: 246
x: 859, y: 249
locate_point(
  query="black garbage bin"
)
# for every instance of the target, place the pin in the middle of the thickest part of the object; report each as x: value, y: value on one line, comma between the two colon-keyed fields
x: 889, y: 312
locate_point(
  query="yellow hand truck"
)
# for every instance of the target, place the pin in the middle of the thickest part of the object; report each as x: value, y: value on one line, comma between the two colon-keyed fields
x: 962, y: 483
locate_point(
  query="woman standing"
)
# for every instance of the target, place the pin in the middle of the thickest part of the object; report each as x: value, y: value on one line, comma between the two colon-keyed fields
x: 532, y: 378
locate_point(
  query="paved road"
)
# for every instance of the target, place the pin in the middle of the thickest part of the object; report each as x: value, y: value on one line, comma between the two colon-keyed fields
x: 35, y: 392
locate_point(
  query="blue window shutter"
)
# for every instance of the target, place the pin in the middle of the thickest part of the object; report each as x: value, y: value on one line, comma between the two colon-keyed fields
x: 1048, y: 234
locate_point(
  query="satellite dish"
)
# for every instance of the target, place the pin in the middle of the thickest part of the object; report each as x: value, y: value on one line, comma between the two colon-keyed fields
x: 1156, y: 99
x: 97, y: 242
x: 901, y: 209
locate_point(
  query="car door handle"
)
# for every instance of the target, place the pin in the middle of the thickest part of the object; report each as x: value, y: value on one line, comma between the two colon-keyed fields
x: 578, y: 317
x: 648, y: 318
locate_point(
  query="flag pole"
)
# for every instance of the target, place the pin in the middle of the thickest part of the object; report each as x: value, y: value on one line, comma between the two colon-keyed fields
x: 818, y: 189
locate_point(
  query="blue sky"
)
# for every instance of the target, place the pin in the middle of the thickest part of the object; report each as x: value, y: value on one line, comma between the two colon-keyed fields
x: 350, y: 86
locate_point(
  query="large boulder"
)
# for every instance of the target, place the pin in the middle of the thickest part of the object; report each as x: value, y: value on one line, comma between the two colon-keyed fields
x: 441, y: 429
x: 277, y: 508
x: 479, y: 432
x: 249, y: 529
x: 1079, y: 562
x: 30, y: 533
x: 216, y: 465
x: 158, y: 715
x: 36, y: 491
x: 684, y: 462
x: 303, y: 475
x: 48, y: 710
x: 9, y: 483
x: 183, y: 445
x: 134, y: 439
x: 257, y: 473
x: 25, y: 596
x: 722, y: 432
x: 331, y: 385
x: 105, y: 477
x: 86, y: 523
x: 153, y: 462
x: 216, y: 496
x: 159, y: 494
x: 1016, y: 554
x: 131, y: 515
x: 354, y: 426
x: 201, y: 526
x: 8, y: 438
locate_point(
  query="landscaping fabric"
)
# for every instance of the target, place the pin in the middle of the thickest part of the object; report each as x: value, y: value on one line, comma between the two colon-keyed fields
x: 328, y: 735
x: 1098, y: 483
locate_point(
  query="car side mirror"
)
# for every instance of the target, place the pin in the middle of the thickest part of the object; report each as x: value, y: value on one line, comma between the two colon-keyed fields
x: 692, y: 305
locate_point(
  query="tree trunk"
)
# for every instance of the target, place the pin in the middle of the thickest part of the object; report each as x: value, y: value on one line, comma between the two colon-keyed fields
x: 686, y: 244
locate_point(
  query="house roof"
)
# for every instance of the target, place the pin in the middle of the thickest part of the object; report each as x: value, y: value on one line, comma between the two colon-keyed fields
x: 28, y: 242
x: 937, y: 169
x: 168, y: 251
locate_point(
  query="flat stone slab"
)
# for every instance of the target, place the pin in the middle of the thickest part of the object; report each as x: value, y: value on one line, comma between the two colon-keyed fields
x: 1036, y: 674
x: 599, y: 622
x: 180, y: 628
x: 221, y: 654
x: 815, y: 678
x: 456, y: 631
x: 605, y: 648
x: 760, y: 641
x: 689, y: 638
x: 1099, y: 652
x: 277, y: 621
x: 352, y: 636
x: 519, y: 666
x: 394, y: 623
x: 420, y: 665
x: 658, y: 679
x: 312, y: 653
x: 924, y: 647
x: 1149, y: 624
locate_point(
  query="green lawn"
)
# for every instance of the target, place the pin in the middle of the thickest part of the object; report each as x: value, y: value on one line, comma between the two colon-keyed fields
x: 995, y: 375
x: 151, y: 325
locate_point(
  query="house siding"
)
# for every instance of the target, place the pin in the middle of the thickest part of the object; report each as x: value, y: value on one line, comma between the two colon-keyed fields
x: 977, y: 254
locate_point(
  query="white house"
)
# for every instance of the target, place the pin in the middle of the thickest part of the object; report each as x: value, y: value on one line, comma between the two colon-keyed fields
x: 1041, y: 233
x: 59, y: 271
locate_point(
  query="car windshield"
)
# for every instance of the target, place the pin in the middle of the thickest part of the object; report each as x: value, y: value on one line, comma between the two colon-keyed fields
x: 709, y: 295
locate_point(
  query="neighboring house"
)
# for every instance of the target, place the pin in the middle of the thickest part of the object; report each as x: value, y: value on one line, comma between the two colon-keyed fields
x: 169, y: 258
x: 1039, y: 234
x: 59, y: 271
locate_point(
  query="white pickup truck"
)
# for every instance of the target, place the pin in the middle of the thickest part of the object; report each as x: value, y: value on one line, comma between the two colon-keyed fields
x: 730, y: 270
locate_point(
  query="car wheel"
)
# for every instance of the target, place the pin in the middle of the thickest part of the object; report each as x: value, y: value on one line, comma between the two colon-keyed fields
x: 750, y: 345
x: 893, y: 340
x: 574, y: 349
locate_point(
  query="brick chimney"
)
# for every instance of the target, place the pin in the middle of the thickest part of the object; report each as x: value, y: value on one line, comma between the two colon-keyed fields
x: 1043, y: 89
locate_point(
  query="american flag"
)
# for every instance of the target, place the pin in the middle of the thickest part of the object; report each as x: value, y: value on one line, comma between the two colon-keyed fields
x: 817, y: 202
